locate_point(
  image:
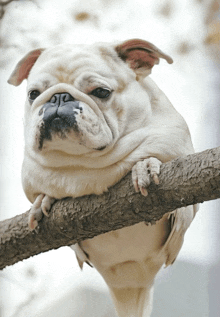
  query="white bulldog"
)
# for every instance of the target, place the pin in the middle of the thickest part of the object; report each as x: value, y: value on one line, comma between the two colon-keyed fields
x: 92, y: 114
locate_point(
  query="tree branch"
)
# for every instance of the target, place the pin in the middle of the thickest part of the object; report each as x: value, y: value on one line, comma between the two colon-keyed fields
x: 183, y: 181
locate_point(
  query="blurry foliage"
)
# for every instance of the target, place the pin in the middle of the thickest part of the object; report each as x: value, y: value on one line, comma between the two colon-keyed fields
x: 212, y: 39
x: 166, y: 9
x: 213, y: 36
x: 213, y: 11
x: 3, y: 6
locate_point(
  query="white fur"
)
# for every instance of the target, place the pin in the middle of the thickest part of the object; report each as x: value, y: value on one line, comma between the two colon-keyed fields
x: 138, y: 122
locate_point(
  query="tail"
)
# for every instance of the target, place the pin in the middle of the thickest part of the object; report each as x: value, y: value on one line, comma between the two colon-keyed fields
x: 133, y: 302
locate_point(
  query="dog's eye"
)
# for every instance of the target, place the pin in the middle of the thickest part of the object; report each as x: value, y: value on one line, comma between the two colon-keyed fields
x: 33, y: 94
x: 101, y: 93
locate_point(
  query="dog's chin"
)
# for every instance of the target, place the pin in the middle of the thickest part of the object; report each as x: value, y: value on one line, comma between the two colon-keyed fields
x: 50, y: 130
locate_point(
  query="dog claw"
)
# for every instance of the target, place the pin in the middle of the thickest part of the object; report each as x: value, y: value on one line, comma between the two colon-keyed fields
x: 32, y: 223
x: 44, y: 211
x: 46, y: 204
x: 136, y: 187
x: 156, y: 179
x: 143, y: 191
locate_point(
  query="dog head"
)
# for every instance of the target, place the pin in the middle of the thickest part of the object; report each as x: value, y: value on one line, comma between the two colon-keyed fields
x: 81, y: 99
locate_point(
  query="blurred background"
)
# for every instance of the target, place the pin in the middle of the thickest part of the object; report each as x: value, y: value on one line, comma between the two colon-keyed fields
x: 51, y: 284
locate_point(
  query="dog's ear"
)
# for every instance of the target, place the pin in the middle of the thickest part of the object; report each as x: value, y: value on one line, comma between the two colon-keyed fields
x: 141, y: 55
x: 24, y: 66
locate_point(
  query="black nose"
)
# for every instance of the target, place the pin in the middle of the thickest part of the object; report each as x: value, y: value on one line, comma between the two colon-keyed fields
x: 60, y: 106
x: 60, y: 99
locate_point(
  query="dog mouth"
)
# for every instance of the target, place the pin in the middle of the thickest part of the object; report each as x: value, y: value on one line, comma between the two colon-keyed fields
x: 100, y: 148
x: 61, y: 124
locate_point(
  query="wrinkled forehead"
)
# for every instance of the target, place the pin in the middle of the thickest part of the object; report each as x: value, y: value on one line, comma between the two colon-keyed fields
x: 67, y: 62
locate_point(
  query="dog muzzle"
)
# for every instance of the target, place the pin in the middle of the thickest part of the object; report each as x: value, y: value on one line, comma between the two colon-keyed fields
x: 60, y: 112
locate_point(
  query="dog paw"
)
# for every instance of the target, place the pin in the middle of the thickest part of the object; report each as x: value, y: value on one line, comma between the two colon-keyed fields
x: 40, y: 207
x: 143, y: 171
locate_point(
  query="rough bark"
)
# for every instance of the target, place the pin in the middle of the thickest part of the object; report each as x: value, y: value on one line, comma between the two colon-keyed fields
x: 184, y: 181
